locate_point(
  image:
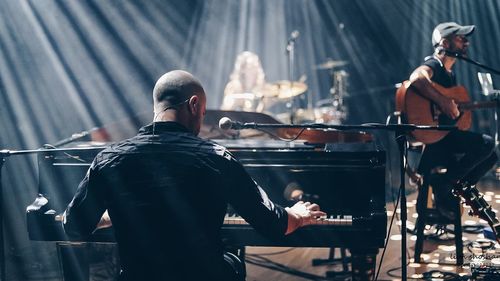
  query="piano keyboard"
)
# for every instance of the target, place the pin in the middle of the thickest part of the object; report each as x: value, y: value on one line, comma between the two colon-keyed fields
x: 237, y: 220
x: 340, y: 220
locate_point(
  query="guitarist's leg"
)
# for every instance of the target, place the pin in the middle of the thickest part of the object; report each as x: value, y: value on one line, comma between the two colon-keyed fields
x: 476, y: 157
x: 434, y: 155
x: 438, y: 155
x: 482, y: 168
x: 475, y: 151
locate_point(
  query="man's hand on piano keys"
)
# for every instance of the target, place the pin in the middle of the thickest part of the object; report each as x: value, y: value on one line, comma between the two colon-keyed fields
x: 301, y: 214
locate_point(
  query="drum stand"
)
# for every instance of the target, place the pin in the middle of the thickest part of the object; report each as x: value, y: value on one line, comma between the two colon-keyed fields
x: 290, y: 51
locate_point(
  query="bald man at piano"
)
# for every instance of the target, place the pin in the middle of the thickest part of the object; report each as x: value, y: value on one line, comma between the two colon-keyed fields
x: 166, y: 191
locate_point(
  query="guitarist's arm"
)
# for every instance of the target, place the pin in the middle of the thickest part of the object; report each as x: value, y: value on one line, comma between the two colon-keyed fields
x: 421, y: 80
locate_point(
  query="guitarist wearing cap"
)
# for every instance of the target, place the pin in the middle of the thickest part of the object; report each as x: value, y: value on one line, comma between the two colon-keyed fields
x: 432, y: 97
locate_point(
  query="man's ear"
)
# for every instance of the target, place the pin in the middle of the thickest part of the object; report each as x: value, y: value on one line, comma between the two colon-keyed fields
x: 193, y: 104
x: 445, y: 43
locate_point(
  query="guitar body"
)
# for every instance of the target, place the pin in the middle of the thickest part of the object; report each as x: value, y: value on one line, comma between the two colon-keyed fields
x: 419, y: 110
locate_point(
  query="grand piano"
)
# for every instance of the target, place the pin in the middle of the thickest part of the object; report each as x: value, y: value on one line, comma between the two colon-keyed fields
x: 344, y: 172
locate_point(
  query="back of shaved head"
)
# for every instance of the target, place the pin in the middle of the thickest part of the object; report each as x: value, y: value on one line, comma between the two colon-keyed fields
x: 174, y: 87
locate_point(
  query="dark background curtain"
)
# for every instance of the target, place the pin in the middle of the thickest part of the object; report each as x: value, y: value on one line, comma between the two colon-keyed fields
x: 69, y: 66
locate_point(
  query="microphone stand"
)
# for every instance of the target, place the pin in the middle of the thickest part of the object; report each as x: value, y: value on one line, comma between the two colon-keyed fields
x: 2, y: 250
x: 4, y: 154
x: 400, y: 133
x: 290, y: 51
x: 73, y: 138
x: 7, y: 153
x: 496, y: 98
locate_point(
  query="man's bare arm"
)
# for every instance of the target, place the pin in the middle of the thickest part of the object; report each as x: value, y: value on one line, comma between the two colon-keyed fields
x: 421, y: 80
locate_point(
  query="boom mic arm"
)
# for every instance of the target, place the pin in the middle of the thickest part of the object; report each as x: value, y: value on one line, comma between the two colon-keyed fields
x: 225, y: 123
x: 459, y: 56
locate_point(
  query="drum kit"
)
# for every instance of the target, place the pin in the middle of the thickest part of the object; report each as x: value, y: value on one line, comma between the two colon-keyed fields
x: 328, y: 111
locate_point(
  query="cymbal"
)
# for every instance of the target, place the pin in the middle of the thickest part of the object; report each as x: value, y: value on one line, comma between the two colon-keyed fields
x: 329, y: 64
x: 284, y: 89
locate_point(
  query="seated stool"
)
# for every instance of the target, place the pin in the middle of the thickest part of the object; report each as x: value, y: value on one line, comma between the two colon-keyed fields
x: 427, y: 215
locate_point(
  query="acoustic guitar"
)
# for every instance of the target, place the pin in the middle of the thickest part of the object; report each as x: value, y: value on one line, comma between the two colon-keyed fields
x: 419, y: 110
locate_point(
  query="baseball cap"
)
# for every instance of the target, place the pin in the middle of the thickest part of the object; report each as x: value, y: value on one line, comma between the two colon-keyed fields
x: 446, y: 29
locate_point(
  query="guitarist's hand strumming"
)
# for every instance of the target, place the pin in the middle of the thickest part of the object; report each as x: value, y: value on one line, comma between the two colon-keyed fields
x: 449, y: 107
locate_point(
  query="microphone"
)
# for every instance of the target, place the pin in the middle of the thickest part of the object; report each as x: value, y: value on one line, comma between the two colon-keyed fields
x: 74, y: 137
x: 293, y: 36
x: 225, y: 123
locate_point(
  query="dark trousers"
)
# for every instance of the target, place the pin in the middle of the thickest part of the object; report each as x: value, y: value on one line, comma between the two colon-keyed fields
x: 467, y: 156
x: 231, y: 269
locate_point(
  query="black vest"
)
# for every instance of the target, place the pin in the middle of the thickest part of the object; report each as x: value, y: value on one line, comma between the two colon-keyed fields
x: 440, y: 75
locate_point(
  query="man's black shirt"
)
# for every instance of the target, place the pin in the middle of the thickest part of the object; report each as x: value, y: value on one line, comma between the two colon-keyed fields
x: 439, y: 73
x: 166, y: 192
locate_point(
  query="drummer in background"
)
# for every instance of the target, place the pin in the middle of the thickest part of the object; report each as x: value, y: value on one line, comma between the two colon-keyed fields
x: 244, y: 90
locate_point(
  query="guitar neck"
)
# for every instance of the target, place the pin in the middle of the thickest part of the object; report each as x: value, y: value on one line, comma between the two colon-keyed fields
x: 477, y: 105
